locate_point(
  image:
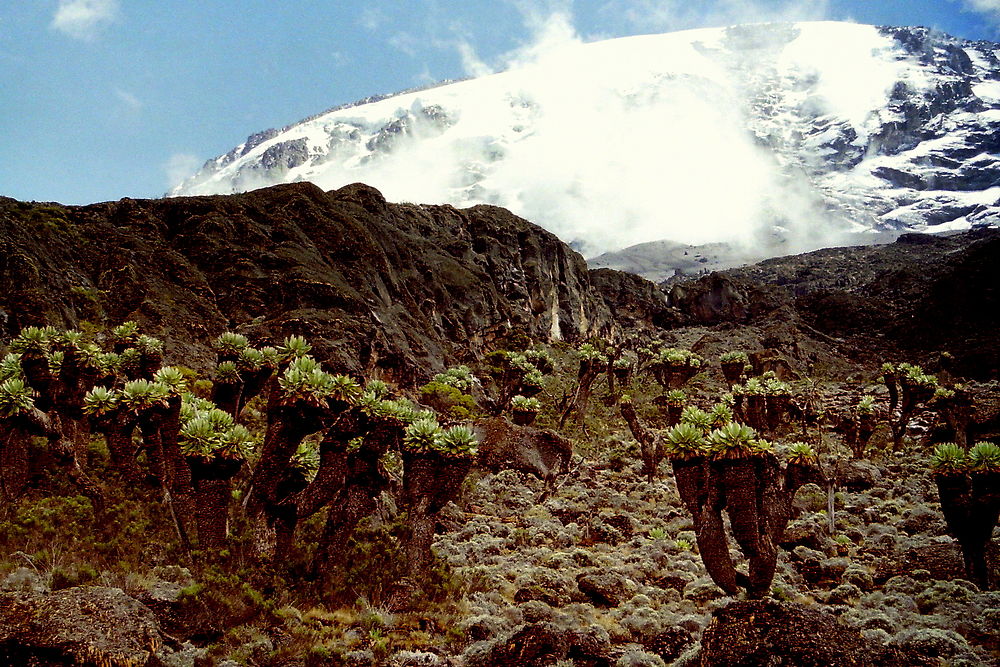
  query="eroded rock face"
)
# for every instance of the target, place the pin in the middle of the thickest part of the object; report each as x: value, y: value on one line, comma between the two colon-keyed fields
x: 922, y: 294
x: 403, y: 288
x: 78, y: 626
x: 761, y: 632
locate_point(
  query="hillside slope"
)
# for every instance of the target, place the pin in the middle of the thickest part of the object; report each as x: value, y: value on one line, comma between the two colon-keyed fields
x: 404, y: 288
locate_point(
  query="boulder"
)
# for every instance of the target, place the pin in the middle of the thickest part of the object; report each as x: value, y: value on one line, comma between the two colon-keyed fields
x: 505, y: 445
x: 545, y: 644
x: 858, y: 475
x: 766, y: 632
x: 78, y: 626
x: 607, y: 588
x: 942, y: 561
x: 668, y: 643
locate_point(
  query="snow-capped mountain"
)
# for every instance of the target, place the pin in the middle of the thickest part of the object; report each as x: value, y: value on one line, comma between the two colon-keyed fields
x: 782, y: 137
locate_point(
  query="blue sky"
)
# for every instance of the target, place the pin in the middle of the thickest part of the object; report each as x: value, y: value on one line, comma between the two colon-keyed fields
x: 103, y: 99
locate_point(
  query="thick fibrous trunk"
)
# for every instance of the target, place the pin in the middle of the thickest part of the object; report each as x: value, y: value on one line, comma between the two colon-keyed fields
x: 758, y: 501
x: 971, y: 508
x: 739, y: 408
x: 674, y: 413
x: 36, y: 372
x: 180, y: 490
x: 330, y: 481
x: 756, y: 406
x: 226, y: 395
x: 355, y: 500
x: 705, y: 503
x: 957, y: 412
x: 13, y: 462
x: 865, y: 428
x: 679, y: 375
x: 286, y: 429
x: 890, y: 383
x: 122, y: 450
x: 777, y: 407
x: 650, y: 447
x: 212, y: 481
x: 152, y: 443
x: 430, y: 481
x: 712, y: 541
x: 733, y: 372
x: 581, y: 397
x: 252, y: 386
x: 912, y: 396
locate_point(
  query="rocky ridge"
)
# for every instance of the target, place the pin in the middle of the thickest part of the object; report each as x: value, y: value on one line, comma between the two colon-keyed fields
x: 403, y: 288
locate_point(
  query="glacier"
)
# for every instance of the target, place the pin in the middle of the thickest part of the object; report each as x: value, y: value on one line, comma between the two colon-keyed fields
x: 775, y: 138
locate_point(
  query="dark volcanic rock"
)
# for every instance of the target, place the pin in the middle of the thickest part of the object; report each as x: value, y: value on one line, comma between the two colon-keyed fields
x: 943, y: 561
x: 722, y: 297
x: 372, y: 284
x: 606, y: 589
x: 919, y: 296
x: 540, y: 452
x: 544, y: 644
x: 77, y: 626
x: 756, y: 632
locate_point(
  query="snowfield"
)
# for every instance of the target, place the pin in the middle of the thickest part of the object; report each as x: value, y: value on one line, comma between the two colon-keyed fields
x: 776, y: 137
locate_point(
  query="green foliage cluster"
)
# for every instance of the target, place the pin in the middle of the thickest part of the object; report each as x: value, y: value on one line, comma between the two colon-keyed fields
x: 588, y: 352
x: 208, y: 432
x: 696, y: 437
x: 734, y: 357
x: 914, y: 375
x: 764, y: 385
x: 525, y: 404
x: 425, y: 435
x: 949, y: 458
x: 676, y: 397
x: 678, y: 358
x: 865, y: 406
x: 450, y: 394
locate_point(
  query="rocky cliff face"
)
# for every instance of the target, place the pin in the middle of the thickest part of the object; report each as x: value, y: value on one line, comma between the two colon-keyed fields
x: 400, y: 287
x: 916, y: 298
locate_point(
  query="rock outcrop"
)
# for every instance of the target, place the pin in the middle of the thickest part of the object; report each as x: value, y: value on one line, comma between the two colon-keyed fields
x: 540, y: 452
x: 402, y: 288
x: 78, y: 626
x: 756, y: 632
x: 915, y: 298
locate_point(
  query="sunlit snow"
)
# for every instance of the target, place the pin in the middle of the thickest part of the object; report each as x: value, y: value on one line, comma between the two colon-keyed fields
x: 696, y: 137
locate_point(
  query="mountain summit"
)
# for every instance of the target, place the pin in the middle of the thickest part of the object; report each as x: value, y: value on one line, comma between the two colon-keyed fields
x: 780, y: 137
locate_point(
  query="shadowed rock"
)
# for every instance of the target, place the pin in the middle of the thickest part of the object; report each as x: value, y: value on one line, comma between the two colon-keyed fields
x: 544, y: 644
x: 78, y: 626
x: 759, y: 632
x: 540, y: 452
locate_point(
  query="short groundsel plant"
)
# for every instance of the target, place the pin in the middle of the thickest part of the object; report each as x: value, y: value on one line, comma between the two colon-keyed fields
x: 984, y: 457
x: 948, y: 459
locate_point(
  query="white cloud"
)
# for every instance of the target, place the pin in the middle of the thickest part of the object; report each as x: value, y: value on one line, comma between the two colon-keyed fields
x: 405, y: 43
x: 131, y: 102
x: 179, y: 167
x: 985, y: 7
x: 550, y: 30
x: 371, y: 19
x: 668, y: 15
x: 608, y: 155
x: 84, y: 19
x: 472, y: 64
